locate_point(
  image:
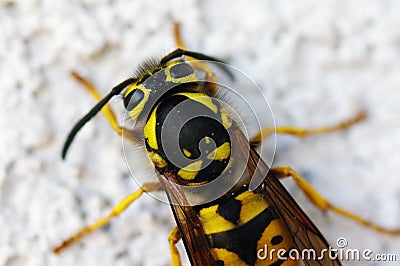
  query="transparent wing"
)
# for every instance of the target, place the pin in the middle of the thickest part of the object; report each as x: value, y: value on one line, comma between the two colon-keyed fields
x: 192, y: 233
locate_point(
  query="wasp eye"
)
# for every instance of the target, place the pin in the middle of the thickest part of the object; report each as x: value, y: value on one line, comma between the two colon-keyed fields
x: 181, y: 70
x: 133, y: 99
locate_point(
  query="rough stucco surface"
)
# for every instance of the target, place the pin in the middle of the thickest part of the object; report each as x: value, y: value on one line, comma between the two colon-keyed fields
x: 317, y: 63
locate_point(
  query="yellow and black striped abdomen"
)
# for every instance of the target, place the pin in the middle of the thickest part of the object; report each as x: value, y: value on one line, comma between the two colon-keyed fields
x: 240, y: 226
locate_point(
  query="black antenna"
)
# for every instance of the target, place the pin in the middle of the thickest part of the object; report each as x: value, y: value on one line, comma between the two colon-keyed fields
x: 115, y: 91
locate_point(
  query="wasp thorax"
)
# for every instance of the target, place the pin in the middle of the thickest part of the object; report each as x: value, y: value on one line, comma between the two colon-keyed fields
x: 185, y: 135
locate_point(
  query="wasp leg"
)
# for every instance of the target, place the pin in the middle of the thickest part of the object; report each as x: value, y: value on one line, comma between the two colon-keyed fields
x: 107, y: 111
x: 301, y: 132
x: 177, y: 36
x: 173, y: 238
x: 320, y: 202
x: 117, y: 210
x: 196, y: 62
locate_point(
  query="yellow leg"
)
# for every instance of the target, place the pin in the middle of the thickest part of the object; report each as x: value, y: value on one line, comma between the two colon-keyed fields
x: 199, y: 64
x: 177, y: 36
x: 321, y: 203
x: 108, y: 113
x: 173, y: 238
x: 301, y: 132
x: 106, y: 110
x: 117, y: 210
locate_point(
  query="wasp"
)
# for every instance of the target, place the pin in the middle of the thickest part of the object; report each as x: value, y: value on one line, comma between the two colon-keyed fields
x: 175, y: 100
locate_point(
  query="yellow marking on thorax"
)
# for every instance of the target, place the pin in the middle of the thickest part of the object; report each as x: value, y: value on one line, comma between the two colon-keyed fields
x: 157, y: 160
x: 252, y: 205
x: 220, y: 153
x: 187, y: 153
x: 190, y: 171
x: 226, y: 120
x: 202, y: 98
x: 150, y: 130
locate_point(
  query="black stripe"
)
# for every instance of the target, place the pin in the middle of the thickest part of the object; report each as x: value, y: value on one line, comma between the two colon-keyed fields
x: 243, y: 240
x: 230, y: 210
x: 276, y: 240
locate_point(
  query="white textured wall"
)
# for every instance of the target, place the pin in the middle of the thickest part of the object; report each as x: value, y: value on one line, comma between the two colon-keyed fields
x: 317, y: 61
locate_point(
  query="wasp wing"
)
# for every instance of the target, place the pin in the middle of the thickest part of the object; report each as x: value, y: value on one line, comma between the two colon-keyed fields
x: 195, y: 240
x: 305, y: 235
